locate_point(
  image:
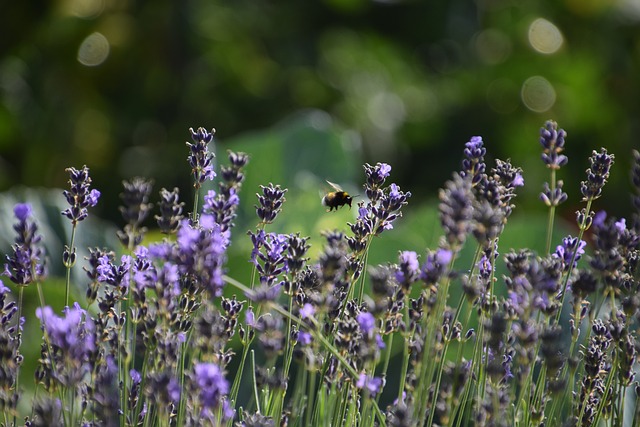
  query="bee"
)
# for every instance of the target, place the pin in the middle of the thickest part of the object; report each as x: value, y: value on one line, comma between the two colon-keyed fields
x: 335, y: 199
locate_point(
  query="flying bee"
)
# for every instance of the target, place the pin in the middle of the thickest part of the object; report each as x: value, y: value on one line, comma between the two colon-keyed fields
x: 335, y: 199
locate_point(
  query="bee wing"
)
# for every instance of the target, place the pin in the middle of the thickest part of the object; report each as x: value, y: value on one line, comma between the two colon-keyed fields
x: 334, y: 185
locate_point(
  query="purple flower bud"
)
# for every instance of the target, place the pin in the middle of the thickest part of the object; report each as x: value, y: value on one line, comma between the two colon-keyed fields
x: 200, y: 158
x: 372, y: 384
x: 566, y: 250
x: 367, y: 323
x: 307, y: 311
x: 250, y: 318
x: 435, y: 265
x: 597, y: 174
x: 3, y: 289
x: 473, y: 165
x: 212, y: 386
x: 25, y: 265
x: 22, y: 211
x: 304, y: 338
x: 135, y: 376
x: 72, y: 334
x: 552, y: 141
x: 271, y: 201
x: 79, y: 196
x: 409, y: 268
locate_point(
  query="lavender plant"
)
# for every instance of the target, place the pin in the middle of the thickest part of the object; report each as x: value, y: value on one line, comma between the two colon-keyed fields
x: 166, y: 334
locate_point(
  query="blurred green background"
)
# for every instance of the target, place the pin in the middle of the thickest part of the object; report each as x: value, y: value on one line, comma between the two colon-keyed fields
x: 116, y: 84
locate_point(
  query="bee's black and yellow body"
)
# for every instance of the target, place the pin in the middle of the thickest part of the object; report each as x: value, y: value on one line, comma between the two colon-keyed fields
x: 336, y: 199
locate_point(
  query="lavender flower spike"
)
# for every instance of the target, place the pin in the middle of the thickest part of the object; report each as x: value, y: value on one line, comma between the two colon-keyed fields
x: 597, y: 174
x: 473, y: 165
x: 79, y: 196
x: 552, y: 141
x: 25, y: 265
x: 200, y: 158
x: 271, y: 202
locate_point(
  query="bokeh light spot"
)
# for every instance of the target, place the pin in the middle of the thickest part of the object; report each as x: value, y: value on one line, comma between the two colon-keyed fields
x: 493, y: 46
x: 538, y: 94
x: 93, y: 50
x: 85, y: 9
x: 386, y: 110
x: 545, y: 37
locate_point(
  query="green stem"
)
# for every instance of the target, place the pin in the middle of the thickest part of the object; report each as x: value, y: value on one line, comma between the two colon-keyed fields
x: 69, y: 265
x: 552, y: 211
x: 255, y: 385
x: 583, y: 228
x: 196, y: 195
x: 19, y: 332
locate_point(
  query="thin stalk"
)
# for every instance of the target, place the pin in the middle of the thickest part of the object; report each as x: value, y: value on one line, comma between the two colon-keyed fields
x: 552, y: 211
x: 19, y: 332
x: 196, y: 195
x: 573, y: 259
x: 432, y: 324
x: 311, y: 393
x: 255, y: 385
x: 365, y: 260
x: 69, y: 265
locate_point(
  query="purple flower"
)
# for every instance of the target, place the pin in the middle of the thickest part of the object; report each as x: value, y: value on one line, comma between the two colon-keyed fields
x: 375, y: 177
x: 200, y: 158
x: 372, y: 384
x: 307, y: 311
x: 22, y: 211
x: 135, y: 209
x: 72, y: 334
x: 269, y: 255
x: 367, y: 323
x: 79, y: 196
x: 112, y: 274
x: 552, y: 141
x: 170, y: 211
x: 212, y: 386
x: 25, y: 265
x: 473, y: 164
x: 409, y: 268
x: 388, y: 208
x: 135, y: 376
x: 363, y: 212
x: 173, y: 390
x: 485, y: 268
x: 377, y: 174
x: 250, y: 318
x: 435, y: 265
x: 570, y: 246
x: 518, y: 181
x: 456, y: 210
x: 222, y: 206
x: 597, y: 174
x: 304, y: 338
x: 297, y: 247
x: 4, y: 289
x: 553, y: 197
x: 271, y: 201
x: 201, y: 253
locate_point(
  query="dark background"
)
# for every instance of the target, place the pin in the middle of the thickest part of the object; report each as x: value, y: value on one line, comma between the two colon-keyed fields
x: 405, y: 82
